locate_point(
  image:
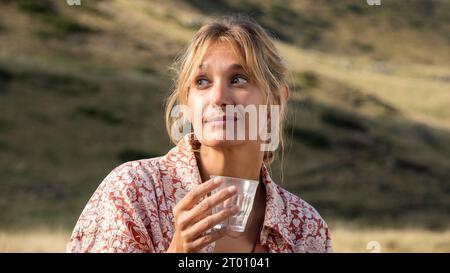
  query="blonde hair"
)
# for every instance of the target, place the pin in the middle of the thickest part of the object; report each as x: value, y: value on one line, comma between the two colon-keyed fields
x: 259, y: 58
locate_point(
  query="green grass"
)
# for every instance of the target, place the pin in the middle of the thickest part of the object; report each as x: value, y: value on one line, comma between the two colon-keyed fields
x: 58, y: 24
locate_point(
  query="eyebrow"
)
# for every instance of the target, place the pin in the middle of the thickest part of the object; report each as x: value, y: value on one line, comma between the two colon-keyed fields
x: 231, y: 67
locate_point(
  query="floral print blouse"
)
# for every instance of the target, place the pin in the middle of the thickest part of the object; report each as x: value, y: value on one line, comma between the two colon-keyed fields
x: 131, y: 210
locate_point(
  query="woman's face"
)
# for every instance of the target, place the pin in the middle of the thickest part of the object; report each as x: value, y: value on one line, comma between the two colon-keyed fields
x: 221, y: 82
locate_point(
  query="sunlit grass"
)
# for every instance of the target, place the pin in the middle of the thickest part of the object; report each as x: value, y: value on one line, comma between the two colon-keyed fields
x: 419, y: 91
x: 344, y: 240
x: 390, y: 240
x: 34, y: 241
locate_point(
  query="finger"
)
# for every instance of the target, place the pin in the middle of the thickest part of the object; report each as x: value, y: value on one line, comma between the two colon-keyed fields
x: 203, y: 241
x: 231, y: 201
x: 192, y: 197
x: 209, y: 222
x: 204, y: 208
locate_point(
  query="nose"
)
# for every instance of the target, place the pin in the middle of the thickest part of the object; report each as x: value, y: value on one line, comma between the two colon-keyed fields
x: 220, y: 94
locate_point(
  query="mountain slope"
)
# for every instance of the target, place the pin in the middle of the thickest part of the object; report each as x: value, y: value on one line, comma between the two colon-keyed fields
x: 82, y: 90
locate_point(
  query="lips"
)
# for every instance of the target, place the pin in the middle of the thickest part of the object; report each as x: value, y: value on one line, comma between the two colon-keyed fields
x: 220, y: 119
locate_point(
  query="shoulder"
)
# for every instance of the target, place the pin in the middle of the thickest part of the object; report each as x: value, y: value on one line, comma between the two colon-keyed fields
x: 143, y: 169
x: 299, y: 207
x: 130, y: 183
x: 142, y: 173
x: 311, y: 232
x: 120, y: 212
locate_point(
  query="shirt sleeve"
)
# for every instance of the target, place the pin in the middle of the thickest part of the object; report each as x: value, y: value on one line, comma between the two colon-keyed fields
x: 317, y: 235
x: 116, y: 219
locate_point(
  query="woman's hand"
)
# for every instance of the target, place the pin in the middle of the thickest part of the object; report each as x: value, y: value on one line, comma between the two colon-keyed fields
x: 193, y: 219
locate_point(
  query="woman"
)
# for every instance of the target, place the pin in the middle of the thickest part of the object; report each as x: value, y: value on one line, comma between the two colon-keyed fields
x: 163, y: 204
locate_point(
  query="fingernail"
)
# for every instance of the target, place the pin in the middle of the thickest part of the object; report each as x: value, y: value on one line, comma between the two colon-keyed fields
x: 232, y: 189
x: 217, y: 180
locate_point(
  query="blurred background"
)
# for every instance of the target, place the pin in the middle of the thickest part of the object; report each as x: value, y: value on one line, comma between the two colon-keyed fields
x: 82, y: 90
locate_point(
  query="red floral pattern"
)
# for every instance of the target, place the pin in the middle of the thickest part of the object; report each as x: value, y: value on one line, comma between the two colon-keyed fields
x: 131, y: 210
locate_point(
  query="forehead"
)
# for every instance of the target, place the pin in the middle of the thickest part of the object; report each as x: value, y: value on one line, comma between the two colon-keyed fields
x: 220, y: 53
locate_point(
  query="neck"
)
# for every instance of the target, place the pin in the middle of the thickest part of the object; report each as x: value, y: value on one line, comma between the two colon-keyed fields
x: 243, y: 161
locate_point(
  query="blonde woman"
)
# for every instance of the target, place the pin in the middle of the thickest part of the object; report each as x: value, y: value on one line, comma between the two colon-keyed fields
x: 163, y: 204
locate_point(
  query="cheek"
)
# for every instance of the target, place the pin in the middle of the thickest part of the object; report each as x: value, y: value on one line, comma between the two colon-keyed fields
x: 253, y: 98
x: 196, y: 105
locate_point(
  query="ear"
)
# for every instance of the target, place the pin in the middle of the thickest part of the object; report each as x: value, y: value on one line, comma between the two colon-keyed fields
x: 285, y: 93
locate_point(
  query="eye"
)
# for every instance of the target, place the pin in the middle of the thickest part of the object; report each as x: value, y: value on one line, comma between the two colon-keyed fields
x: 239, y: 79
x: 201, y: 82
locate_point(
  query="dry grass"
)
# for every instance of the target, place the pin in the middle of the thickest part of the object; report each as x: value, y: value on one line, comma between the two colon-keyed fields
x: 390, y: 240
x: 36, y: 241
x: 344, y: 240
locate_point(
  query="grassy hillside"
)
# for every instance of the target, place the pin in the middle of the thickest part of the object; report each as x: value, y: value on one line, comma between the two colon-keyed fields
x: 82, y: 89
